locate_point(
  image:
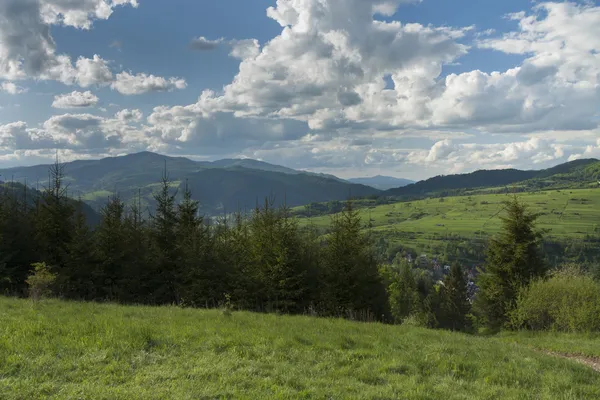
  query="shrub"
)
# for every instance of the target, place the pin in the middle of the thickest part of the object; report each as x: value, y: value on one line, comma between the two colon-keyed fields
x: 568, y: 301
x: 402, y: 291
x: 40, y: 281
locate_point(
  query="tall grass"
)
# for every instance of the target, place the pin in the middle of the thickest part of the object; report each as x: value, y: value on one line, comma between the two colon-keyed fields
x: 60, y: 350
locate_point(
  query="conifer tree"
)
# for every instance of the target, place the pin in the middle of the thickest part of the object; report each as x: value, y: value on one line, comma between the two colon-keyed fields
x: 54, y: 219
x: 136, y: 273
x: 513, y: 260
x: 17, y: 250
x: 403, y: 294
x: 455, y: 305
x: 111, y: 248
x: 201, y: 281
x: 351, y: 275
x: 233, y: 256
x: 79, y: 278
x: 281, y: 266
x: 163, y: 230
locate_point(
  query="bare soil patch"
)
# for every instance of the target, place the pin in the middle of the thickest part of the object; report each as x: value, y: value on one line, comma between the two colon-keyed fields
x: 592, y: 362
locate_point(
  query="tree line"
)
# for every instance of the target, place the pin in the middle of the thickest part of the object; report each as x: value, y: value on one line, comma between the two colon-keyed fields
x: 262, y: 261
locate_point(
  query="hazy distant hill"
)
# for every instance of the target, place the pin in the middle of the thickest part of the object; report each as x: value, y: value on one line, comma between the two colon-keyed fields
x: 570, y: 173
x: 224, y: 184
x: 251, y: 164
x: 230, y: 189
x: 30, y: 195
x: 382, y: 182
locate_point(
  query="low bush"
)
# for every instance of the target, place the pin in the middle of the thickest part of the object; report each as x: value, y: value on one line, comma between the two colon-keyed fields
x: 567, y: 301
x: 40, y: 281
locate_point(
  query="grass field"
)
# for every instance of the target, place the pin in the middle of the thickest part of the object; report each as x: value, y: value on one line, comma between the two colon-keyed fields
x: 101, y: 195
x: 565, y: 213
x: 59, y: 350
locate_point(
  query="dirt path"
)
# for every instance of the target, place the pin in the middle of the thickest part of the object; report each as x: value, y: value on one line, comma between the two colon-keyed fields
x: 591, y: 362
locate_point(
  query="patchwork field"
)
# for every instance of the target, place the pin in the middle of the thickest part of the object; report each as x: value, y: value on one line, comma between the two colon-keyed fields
x: 564, y: 213
x: 59, y: 350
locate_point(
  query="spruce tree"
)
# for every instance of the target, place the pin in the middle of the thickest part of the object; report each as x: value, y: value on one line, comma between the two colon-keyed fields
x: 200, y: 281
x: 136, y: 274
x: 111, y: 249
x: 79, y: 277
x: 513, y: 260
x: 403, y: 294
x: 163, y: 230
x: 455, y: 305
x: 54, y: 219
x: 350, y: 272
x: 232, y: 254
x: 17, y: 249
x: 278, y: 263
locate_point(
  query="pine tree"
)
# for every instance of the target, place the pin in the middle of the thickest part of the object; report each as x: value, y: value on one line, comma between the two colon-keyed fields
x: 351, y: 273
x: 112, y: 249
x: 278, y: 266
x: 54, y: 219
x: 200, y: 280
x: 513, y: 260
x: 232, y: 254
x: 17, y: 250
x: 78, y: 279
x: 136, y: 274
x: 163, y: 230
x: 455, y: 305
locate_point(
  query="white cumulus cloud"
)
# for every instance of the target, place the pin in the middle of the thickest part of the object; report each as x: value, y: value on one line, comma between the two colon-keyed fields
x: 75, y: 100
x: 11, y: 88
x: 337, y: 88
x: 27, y: 48
x: 203, y: 44
x: 129, y: 84
x: 243, y: 49
x: 129, y: 115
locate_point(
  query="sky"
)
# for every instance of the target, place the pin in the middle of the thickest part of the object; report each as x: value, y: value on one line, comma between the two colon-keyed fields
x: 354, y: 88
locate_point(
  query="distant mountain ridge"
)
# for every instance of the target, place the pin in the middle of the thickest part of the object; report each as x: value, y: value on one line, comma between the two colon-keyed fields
x: 236, y: 184
x: 579, y: 170
x: 223, y: 185
x: 382, y: 182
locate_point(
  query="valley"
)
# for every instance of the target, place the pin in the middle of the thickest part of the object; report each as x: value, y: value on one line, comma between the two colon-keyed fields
x: 435, y: 225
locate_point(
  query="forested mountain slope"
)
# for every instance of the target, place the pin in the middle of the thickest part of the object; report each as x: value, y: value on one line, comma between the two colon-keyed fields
x: 382, y: 182
x: 586, y: 170
x: 221, y: 185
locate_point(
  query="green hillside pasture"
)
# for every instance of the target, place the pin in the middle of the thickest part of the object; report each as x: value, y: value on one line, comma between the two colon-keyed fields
x: 58, y: 350
x: 98, y: 196
x: 565, y: 213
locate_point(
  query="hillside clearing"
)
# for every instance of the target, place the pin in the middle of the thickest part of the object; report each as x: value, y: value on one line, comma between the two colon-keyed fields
x: 421, y: 224
x: 63, y: 350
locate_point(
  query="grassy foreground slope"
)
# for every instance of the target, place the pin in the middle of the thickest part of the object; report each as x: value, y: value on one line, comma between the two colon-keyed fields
x: 64, y: 350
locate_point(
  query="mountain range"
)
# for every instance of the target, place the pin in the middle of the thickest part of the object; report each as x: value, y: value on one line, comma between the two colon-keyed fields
x: 382, y: 182
x: 220, y: 186
x: 570, y: 174
x: 236, y: 184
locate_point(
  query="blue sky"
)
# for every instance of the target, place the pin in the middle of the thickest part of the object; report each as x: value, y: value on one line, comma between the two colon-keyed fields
x: 349, y: 87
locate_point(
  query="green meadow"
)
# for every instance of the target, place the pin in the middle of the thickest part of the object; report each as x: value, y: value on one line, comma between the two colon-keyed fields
x: 68, y: 350
x: 564, y: 214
